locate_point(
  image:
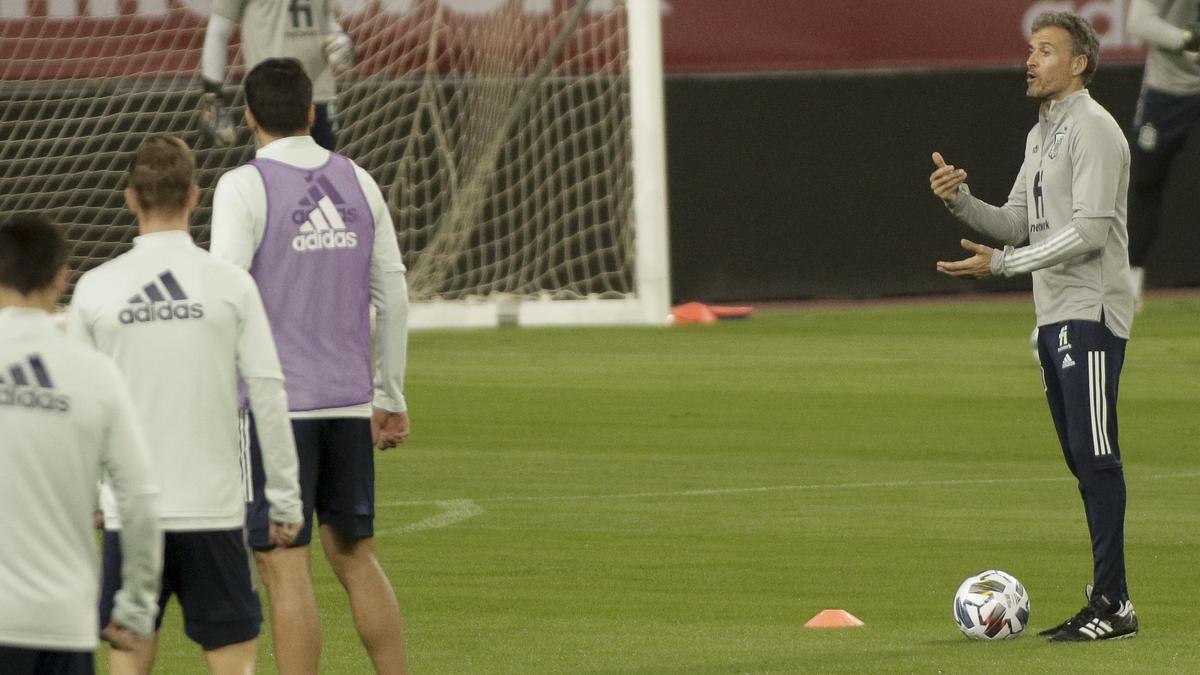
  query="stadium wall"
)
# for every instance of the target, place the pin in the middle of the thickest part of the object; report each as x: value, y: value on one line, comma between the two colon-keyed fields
x: 815, y: 184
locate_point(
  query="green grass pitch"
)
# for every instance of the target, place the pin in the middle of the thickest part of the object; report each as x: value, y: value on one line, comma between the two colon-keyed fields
x: 682, y: 500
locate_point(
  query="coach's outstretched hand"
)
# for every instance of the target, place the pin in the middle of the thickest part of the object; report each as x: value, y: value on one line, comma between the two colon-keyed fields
x: 945, y: 179
x: 978, y: 266
x: 389, y: 429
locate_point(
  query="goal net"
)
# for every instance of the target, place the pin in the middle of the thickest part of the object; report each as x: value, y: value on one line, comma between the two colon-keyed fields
x: 519, y: 143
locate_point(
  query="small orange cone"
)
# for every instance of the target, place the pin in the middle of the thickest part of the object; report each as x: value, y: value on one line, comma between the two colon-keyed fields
x: 693, y: 312
x: 833, y: 618
x: 725, y: 312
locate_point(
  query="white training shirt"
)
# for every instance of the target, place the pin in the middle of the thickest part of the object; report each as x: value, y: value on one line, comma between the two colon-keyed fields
x: 1069, y: 199
x: 180, y: 325
x: 239, y: 217
x: 65, y: 416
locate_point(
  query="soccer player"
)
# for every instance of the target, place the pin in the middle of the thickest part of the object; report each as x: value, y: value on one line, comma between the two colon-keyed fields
x: 181, y: 325
x: 307, y: 31
x: 1069, y: 200
x: 314, y: 231
x: 65, y: 416
x: 1167, y: 111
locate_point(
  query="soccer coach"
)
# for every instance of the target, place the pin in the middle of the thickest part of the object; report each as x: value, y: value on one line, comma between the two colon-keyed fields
x: 1069, y: 200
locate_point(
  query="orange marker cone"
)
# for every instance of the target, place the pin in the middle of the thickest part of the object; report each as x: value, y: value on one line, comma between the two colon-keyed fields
x: 693, y: 312
x: 834, y: 618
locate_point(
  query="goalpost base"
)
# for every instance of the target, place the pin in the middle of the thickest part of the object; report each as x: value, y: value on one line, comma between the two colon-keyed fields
x: 491, y: 313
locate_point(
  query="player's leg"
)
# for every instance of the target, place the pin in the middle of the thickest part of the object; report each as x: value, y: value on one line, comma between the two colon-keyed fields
x: 23, y: 661
x: 287, y: 572
x: 1090, y: 387
x: 1160, y: 128
x: 221, y: 611
x: 127, y: 662
x: 324, y: 128
x: 346, y: 507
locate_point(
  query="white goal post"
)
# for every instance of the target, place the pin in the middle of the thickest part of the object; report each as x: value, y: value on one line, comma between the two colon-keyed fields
x: 519, y: 143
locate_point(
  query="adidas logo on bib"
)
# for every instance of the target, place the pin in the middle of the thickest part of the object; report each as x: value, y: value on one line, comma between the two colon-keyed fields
x: 323, y: 226
x: 152, y: 304
x: 27, y: 384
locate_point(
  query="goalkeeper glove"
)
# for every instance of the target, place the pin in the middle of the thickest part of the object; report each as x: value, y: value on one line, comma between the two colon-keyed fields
x: 1191, y: 42
x: 339, y: 52
x: 215, y: 121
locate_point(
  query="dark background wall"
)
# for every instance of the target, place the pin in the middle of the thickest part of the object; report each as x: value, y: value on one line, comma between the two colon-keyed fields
x: 817, y: 185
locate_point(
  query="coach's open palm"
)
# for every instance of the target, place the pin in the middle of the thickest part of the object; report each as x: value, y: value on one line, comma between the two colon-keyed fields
x: 978, y: 266
x: 945, y: 179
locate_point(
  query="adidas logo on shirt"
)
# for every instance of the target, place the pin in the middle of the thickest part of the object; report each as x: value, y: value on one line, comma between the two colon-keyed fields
x: 26, y: 384
x: 152, y: 304
x: 324, y: 225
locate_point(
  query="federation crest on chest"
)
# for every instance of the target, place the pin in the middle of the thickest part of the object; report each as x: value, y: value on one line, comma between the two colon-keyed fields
x: 1059, y: 137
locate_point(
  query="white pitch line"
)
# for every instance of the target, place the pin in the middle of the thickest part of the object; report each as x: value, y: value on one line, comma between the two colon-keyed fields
x: 777, y: 488
x: 456, y: 511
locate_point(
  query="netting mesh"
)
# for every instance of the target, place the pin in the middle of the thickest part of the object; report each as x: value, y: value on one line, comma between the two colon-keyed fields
x: 499, y: 131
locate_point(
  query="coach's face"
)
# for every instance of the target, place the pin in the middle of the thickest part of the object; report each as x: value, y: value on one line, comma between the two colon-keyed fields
x: 1051, y: 72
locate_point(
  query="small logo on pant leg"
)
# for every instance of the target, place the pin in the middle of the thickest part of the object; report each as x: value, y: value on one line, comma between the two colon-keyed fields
x: 1068, y: 362
x: 1147, y: 137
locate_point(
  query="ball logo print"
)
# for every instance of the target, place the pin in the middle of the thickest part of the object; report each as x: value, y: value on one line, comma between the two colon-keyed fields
x: 991, y: 605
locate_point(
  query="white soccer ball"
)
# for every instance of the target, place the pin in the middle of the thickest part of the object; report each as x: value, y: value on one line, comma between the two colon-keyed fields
x: 991, y: 605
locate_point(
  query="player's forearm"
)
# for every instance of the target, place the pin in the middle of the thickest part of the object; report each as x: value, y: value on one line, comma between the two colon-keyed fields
x: 390, y: 297
x: 1084, y: 236
x: 1007, y: 224
x: 268, y: 401
x: 136, y: 604
x: 1145, y: 23
x: 216, y: 42
x: 129, y: 469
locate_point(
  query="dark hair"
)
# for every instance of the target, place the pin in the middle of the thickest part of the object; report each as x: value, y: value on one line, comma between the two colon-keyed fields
x: 32, y: 251
x: 1083, y: 37
x: 279, y: 94
x: 162, y: 173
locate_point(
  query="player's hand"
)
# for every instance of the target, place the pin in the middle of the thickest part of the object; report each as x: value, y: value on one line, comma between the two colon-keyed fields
x: 389, y: 429
x: 945, y: 179
x: 282, y: 535
x: 978, y: 266
x: 98, y: 519
x: 215, y: 121
x: 1191, y: 41
x: 339, y: 52
x: 123, y: 639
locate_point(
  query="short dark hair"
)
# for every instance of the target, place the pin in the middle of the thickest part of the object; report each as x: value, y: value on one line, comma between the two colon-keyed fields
x: 162, y: 173
x: 1083, y: 37
x: 279, y: 94
x: 32, y: 251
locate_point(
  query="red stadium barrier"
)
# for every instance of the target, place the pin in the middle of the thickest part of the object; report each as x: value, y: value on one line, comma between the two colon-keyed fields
x: 69, y: 39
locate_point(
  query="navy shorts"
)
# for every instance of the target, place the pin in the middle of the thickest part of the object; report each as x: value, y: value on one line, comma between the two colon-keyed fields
x: 1081, y: 372
x: 337, y: 478
x: 324, y: 128
x: 209, y: 571
x: 25, y: 661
